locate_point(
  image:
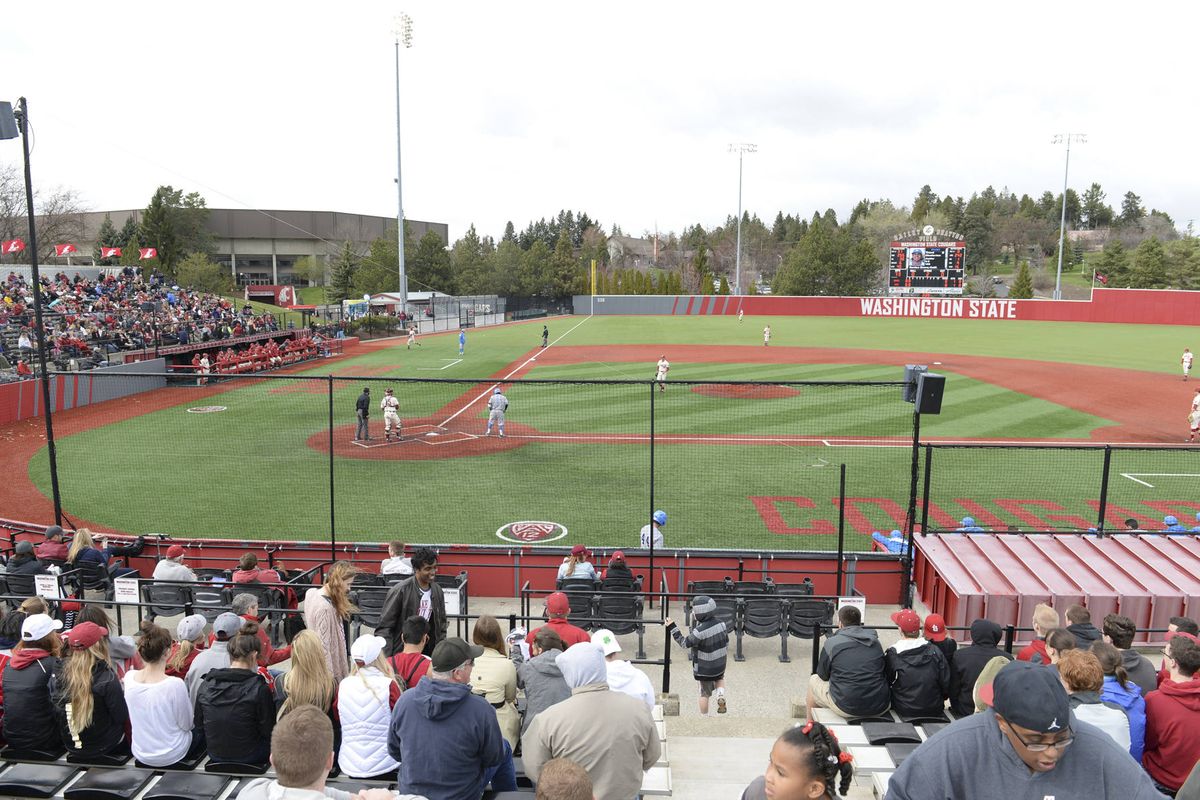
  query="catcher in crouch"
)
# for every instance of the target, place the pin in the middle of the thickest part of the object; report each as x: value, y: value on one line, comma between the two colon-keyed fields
x: 391, y: 415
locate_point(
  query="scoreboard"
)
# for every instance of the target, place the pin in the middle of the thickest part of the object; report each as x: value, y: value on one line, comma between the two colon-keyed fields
x: 927, y: 262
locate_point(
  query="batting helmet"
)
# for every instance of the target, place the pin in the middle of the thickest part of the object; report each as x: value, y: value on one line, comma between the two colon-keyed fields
x: 660, y: 517
x: 496, y: 390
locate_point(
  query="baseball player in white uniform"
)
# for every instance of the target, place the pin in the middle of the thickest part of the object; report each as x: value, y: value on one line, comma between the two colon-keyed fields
x: 497, y: 405
x: 412, y: 337
x: 651, y: 535
x: 391, y: 415
x: 1194, y: 424
x: 664, y: 366
x: 766, y: 336
x: 1186, y: 361
x: 1196, y: 401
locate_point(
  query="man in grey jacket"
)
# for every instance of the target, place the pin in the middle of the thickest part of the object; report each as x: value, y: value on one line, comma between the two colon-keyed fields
x: 1027, y: 745
x: 540, y: 676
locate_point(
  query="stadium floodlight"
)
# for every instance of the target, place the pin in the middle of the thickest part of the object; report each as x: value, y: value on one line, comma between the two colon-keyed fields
x: 1064, y: 138
x: 740, y: 148
x: 20, y: 115
x: 402, y: 29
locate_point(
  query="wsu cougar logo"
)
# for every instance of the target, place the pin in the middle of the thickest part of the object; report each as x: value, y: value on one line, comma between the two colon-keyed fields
x: 529, y: 532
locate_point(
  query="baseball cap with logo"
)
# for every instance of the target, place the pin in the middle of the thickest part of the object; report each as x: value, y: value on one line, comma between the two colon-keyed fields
x: 38, y: 626
x: 557, y: 604
x: 190, y: 627
x: 935, y: 628
x: 907, y: 620
x: 580, y: 550
x: 618, y: 557
x: 367, y: 648
x: 84, y: 635
x: 1031, y: 696
x: 452, y: 653
x: 607, y: 641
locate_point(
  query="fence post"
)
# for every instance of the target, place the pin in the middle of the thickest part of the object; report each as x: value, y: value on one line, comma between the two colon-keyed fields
x: 841, y: 528
x: 925, y: 493
x: 332, y: 516
x: 1104, y: 489
x: 666, y: 681
x: 1010, y: 636
x: 906, y: 557
x: 650, y: 516
x: 816, y: 647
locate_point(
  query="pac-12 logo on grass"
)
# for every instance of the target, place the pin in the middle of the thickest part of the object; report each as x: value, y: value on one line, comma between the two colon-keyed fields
x: 529, y: 532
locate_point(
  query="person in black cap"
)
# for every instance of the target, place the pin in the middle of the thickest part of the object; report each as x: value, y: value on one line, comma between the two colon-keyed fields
x: 54, y: 548
x: 1027, y: 745
x: 362, y: 411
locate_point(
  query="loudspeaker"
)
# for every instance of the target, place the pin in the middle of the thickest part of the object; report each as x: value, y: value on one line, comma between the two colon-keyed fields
x: 911, y: 371
x: 930, y: 387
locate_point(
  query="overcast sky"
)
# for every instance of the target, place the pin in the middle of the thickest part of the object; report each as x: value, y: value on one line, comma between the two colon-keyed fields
x: 625, y: 110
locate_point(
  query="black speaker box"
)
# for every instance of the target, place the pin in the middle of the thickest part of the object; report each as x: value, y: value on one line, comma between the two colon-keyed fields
x: 930, y: 387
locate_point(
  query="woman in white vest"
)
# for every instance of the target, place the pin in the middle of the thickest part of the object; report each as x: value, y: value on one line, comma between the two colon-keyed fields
x: 364, y: 704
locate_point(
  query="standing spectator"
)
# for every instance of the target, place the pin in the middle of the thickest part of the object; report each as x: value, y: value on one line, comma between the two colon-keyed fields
x: 576, y: 565
x: 917, y: 673
x: 396, y: 563
x: 411, y: 663
x: 805, y: 763
x: 365, y: 699
x: 418, y: 595
x: 236, y: 705
x: 540, y: 676
x: 10, y: 637
x: 968, y: 664
x: 447, y: 739
x: 651, y: 536
x: 1045, y: 619
x: 362, y: 412
x: 495, y: 677
x: 1119, y: 632
x: 245, y: 605
x: 1083, y: 678
x: 622, y: 675
x: 707, y: 644
x: 851, y: 677
x: 160, y: 715
x: 935, y: 633
x: 1121, y: 691
x: 88, y: 701
x: 609, y: 734
x: 192, y: 640
x: 1173, y: 716
x: 1058, y: 642
x: 216, y: 656
x: 54, y: 548
x: 326, y: 611
x: 28, y: 721
x: 1081, y: 626
x: 557, y: 609
x: 172, y: 567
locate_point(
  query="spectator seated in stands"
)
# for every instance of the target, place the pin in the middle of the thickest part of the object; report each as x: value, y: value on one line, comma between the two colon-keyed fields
x: 622, y: 675
x: 495, y: 677
x: 576, y: 566
x: 1081, y: 626
x: 29, y: 722
x: 246, y: 607
x: 1045, y: 619
x: 968, y: 663
x: 411, y: 663
x: 236, y: 705
x: 1083, y: 678
x: 1171, y: 525
x: 301, y: 748
x: 1057, y: 643
x: 609, y: 734
x: 1119, y: 632
x: 447, y: 739
x: 160, y: 715
x: 192, y: 640
x: 172, y: 567
x: 1026, y: 745
x: 54, y: 548
x: 936, y: 634
x: 216, y: 656
x: 1121, y: 691
x: 557, y: 609
x: 540, y: 676
x: 87, y: 697
x: 1173, y: 716
x: 122, y: 650
x: 563, y: 779
x: 1176, y: 625
x: 98, y: 552
x: 364, y: 703
x: 309, y: 682
x: 968, y: 526
x: 851, y: 677
x: 707, y: 643
x: 805, y: 764
x: 396, y: 563
x: 618, y: 572
x: 917, y: 673
x: 248, y: 571
x: 24, y: 372
x: 10, y: 636
x: 23, y: 561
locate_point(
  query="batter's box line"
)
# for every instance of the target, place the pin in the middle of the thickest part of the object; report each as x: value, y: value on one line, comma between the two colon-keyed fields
x: 1137, y: 476
x: 453, y: 437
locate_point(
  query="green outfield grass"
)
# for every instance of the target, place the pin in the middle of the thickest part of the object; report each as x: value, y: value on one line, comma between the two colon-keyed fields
x: 745, y: 473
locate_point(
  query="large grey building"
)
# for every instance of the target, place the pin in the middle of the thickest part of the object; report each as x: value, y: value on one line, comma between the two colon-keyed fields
x: 260, y: 247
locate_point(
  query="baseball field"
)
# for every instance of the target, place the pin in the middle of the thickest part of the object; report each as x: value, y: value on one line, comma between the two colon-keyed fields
x: 734, y: 464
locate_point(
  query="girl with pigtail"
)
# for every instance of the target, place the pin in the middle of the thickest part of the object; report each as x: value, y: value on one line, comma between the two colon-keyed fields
x: 805, y: 764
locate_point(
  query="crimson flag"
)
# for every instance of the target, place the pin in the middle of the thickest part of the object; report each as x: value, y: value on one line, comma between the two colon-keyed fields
x: 147, y: 252
x: 110, y: 252
x: 1101, y: 278
x: 65, y: 249
x: 12, y: 246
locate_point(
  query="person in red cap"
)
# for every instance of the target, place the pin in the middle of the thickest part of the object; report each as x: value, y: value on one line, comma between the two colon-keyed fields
x: 88, y: 701
x: 172, y: 568
x: 916, y: 670
x: 618, y: 570
x: 935, y: 633
x: 576, y: 566
x: 557, y: 608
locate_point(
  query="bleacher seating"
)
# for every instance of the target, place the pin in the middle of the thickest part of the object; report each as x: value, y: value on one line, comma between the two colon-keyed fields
x: 765, y: 609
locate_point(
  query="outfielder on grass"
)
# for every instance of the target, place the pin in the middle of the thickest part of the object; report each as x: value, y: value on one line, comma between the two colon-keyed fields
x: 497, y: 405
x: 707, y: 644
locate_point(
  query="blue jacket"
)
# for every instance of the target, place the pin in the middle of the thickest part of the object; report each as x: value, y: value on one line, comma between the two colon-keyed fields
x: 1131, y: 701
x: 444, y: 738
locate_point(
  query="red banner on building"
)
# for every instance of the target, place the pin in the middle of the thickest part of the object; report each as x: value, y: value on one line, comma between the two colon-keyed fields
x: 65, y: 249
x: 12, y: 246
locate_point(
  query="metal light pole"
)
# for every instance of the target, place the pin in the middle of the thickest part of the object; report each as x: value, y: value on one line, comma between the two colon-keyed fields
x: 22, y: 116
x: 403, y: 30
x: 740, y: 149
x: 1062, y: 223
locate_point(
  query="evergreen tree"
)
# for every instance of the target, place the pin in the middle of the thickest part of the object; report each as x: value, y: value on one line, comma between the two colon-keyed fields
x: 176, y: 225
x: 925, y: 201
x: 506, y: 269
x: 1132, y: 211
x: 105, y: 237
x: 1095, y: 213
x: 429, y: 269
x: 128, y: 231
x: 564, y: 267
x: 724, y: 286
x: 341, y: 277
x: 536, y: 273
x: 1149, y: 266
x: 1113, y: 264
x: 1022, y: 286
